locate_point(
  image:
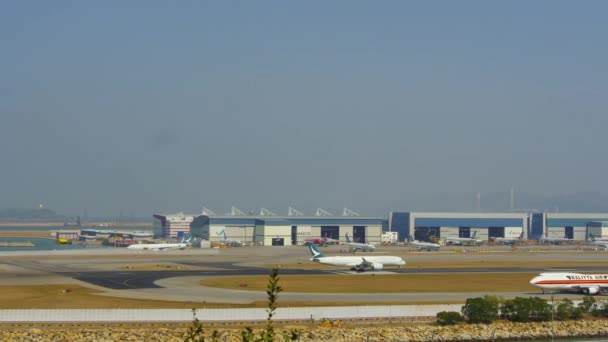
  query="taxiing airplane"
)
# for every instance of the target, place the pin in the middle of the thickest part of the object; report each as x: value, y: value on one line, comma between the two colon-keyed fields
x: 463, y: 241
x: 356, y: 263
x: 420, y: 245
x: 161, y: 246
x: 357, y: 246
x: 597, y: 243
x: 574, y: 282
x: 509, y: 241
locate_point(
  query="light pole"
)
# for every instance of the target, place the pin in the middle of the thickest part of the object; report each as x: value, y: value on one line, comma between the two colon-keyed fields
x: 552, y: 320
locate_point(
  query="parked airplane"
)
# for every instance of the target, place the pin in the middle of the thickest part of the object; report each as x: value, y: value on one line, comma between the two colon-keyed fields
x: 463, y: 241
x: 509, y: 241
x: 597, y: 243
x: 322, y: 241
x: 229, y: 243
x: 355, y: 246
x: 429, y: 246
x: 356, y: 263
x: 555, y: 240
x: 161, y: 246
x: 574, y: 282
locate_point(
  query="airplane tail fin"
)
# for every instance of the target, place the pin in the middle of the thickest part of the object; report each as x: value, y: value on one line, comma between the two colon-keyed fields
x: 521, y: 236
x: 410, y: 238
x: 186, y: 239
x: 474, y: 235
x: 316, y: 253
x: 592, y: 237
x: 347, y: 238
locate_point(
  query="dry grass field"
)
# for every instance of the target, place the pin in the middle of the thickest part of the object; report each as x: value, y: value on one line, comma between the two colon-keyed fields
x: 77, y: 297
x: 388, y: 283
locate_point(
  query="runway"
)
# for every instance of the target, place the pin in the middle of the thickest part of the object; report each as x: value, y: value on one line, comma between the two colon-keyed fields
x: 114, y: 275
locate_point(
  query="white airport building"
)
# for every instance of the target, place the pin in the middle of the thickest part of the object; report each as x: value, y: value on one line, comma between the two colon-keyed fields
x: 287, y: 230
x: 273, y: 230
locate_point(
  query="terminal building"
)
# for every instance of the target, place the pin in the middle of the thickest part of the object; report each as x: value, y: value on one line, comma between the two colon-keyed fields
x: 286, y: 230
x: 437, y: 226
x: 175, y: 226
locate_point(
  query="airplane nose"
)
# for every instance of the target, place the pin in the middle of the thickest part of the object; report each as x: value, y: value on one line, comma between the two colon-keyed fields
x: 534, y: 281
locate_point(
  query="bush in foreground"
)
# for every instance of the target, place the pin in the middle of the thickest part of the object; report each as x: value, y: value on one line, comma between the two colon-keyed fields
x: 449, y: 318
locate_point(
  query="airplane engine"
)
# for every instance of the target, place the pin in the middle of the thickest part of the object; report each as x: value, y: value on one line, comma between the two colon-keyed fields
x: 591, y: 290
x: 377, y: 266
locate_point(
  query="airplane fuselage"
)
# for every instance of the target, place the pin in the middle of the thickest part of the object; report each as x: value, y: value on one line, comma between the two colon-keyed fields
x: 577, y: 282
x: 356, y: 260
x: 157, y: 246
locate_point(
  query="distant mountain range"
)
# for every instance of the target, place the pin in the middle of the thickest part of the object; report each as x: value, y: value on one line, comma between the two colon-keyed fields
x: 29, y: 215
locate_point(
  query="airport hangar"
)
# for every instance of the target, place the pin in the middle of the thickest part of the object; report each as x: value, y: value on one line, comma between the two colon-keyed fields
x: 576, y: 226
x: 263, y: 230
x: 424, y: 226
x: 289, y: 230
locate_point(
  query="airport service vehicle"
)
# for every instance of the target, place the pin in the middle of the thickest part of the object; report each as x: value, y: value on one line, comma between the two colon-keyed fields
x: 555, y: 240
x: 356, y: 263
x: 356, y: 246
x: 574, y: 282
x: 509, y: 241
x: 597, y: 243
x: 160, y: 246
x: 463, y: 241
x: 420, y: 245
x: 230, y: 243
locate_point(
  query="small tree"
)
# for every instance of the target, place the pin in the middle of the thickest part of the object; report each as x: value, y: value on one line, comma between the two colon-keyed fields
x: 196, y: 331
x: 449, y: 318
x: 587, y: 304
x: 564, y: 309
x: 520, y: 309
x: 481, y: 309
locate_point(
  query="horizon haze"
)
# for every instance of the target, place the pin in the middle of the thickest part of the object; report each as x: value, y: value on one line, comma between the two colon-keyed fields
x: 150, y: 106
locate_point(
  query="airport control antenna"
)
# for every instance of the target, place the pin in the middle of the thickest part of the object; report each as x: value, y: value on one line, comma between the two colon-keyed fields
x: 234, y: 211
x: 266, y: 212
x: 292, y: 212
x: 207, y: 212
x: 348, y: 212
x: 321, y: 212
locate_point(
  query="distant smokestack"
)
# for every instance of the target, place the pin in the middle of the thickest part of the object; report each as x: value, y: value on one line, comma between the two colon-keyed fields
x: 478, y: 201
x: 512, y: 200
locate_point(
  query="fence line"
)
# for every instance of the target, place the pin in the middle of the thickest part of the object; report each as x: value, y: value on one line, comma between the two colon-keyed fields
x: 233, y: 314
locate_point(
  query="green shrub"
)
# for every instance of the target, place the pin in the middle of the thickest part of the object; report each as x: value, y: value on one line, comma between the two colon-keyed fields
x: 481, y: 309
x: 587, y: 304
x: 564, y: 310
x: 449, y: 318
x: 521, y: 309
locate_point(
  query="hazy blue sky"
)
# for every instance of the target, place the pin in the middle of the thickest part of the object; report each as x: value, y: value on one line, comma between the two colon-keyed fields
x: 161, y: 106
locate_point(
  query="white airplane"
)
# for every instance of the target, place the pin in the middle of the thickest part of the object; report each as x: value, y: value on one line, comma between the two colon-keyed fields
x: 356, y: 263
x: 230, y: 243
x: 429, y: 246
x: 365, y: 247
x: 555, y: 240
x: 509, y: 241
x: 161, y: 246
x: 598, y: 243
x: 574, y: 282
x: 464, y: 241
